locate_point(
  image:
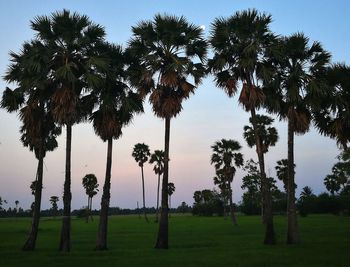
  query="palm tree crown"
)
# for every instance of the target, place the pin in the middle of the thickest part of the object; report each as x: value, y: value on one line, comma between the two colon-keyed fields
x: 141, y: 153
x: 241, y: 44
x: 158, y: 158
x: 268, y: 136
x: 166, y: 52
x: 332, y: 118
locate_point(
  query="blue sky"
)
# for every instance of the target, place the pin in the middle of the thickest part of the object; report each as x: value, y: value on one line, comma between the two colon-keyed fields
x: 207, y: 116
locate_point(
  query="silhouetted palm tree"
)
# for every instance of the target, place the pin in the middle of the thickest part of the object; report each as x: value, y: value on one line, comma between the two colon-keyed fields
x: 166, y: 53
x: 158, y: 158
x: 69, y: 41
x: 171, y: 190
x: 91, y: 188
x: 242, y: 45
x: 141, y: 153
x: 332, y: 118
x: 115, y: 105
x: 38, y: 131
x: 268, y: 136
x: 298, y: 85
x: 54, y: 208
x: 226, y: 159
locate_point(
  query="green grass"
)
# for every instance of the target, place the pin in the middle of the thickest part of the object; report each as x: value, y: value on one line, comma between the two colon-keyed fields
x: 194, y: 241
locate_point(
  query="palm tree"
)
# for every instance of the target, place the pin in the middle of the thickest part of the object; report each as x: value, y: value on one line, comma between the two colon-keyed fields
x: 171, y: 190
x: 38, y: 130
x: 226, y: 192
x: 242, y: 47
x: 298, y: 85
x: 166, y: 53
x: 332, y: 118
x: 141, y: 153
x: 282, y: 172
x: 268, y: 137
x: 54, y: 207
x: 158, y: 158
x: 69, y: 41
x: 115, y: 105
x: 226, y: 159
x: 16, y: 203
x: 91, y: 188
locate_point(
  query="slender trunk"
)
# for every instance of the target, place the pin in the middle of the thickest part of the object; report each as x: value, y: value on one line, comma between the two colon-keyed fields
x: 101, y: 242
x: 162, y: 239
x: 31, y: 241
x: 292, y: 232
x: 232, y: 212
x: 67, y: 196
x: 265, y: 188
x: 88, y: 210
x: 157, y: 213
x: 169, y: 206
x: 138, y: 210
x: 91, y: 217
x: 143, y: 195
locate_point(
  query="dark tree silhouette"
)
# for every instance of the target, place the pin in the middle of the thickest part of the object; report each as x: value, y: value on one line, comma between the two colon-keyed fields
x: 167, y: 60
x: 141, y: 154
x: 91, y: 189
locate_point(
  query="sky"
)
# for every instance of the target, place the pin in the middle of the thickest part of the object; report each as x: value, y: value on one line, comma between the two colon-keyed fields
x: 209, y: 115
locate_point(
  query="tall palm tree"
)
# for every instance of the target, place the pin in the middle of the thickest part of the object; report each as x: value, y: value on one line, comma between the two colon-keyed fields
x: 332, y: 118
x: 90, y: 185
x: 268, y: 136
x: 115, y: 105
x: 168, y: 56
x: 241, y: 45
x: 54, y: 207
x: 298, y: 85
x: 30, y: 99
x: 226, y: 159
x: 158, y: 158
x: 69, y: 40
x: 171, y: 190
x: 141, y: 154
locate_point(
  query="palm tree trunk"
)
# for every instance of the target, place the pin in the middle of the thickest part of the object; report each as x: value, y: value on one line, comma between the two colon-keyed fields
x: 162, y: 239
x: 157, y: 213
x: 143, y: 195
x: 91, y: 217
x: 31, y: 241
x: 88, y: 210
x: 265, y: 188
x: 292, y: 232
x: 67, y: 196
x: 232, y: 212
x: 101, y: 242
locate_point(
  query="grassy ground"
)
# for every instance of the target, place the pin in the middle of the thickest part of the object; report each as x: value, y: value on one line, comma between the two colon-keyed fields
x: 194, y: 241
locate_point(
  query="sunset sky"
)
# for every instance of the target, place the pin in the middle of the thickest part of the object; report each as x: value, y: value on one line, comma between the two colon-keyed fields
x: 207, y: 116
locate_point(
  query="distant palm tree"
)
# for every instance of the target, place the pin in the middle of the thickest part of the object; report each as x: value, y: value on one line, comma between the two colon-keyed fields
x: 268, y: 136
x: 306, y: 192
x: 332, y: 118
x: 167, y: 61
x: 141, y: 154
x: 17, y: 202
x: 69, y: 42
x: 241, y: 46
x: 115, y: 105
x: 91, y: 188
x: 54, y: 207
x: 158, y: 158
x: 298, y: 86
x: 226, y: 159
x: 171, y: 190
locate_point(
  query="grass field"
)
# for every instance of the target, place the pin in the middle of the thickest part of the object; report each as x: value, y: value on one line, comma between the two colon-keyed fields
x: 194, y: 241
